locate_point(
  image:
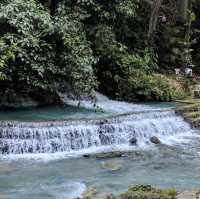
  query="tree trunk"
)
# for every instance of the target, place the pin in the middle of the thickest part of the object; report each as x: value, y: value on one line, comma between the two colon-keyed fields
x: 51, y: 4
x: 154, y: 18
x: 182, y: 10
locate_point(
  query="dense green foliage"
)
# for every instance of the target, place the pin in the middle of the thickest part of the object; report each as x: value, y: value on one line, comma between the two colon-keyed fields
x: 88, y: 45
x: 195, y: 39
x: 38, y: 50
x: 154, y: 87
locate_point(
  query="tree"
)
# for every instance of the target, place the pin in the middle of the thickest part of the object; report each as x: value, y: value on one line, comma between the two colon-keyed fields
x: 182, y: 6
x: 154, y: 18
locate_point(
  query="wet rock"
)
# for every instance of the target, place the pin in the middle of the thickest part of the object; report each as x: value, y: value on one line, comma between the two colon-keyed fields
x: 112, y: 165
x: 105, y: 155
x: 115, y: 154
x: 145, y: 192
x: 133, y: 141
x: 4, y: 148
x: 90, y: 193
x: 102, y: 122
x: 155, y: 140
x: 13, y: 99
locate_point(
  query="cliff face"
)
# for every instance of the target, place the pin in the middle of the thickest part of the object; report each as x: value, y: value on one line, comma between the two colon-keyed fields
x: 11, y: 99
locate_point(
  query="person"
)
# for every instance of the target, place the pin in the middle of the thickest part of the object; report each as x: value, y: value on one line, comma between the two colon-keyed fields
x: 188, y: 72
x: 177, y: 71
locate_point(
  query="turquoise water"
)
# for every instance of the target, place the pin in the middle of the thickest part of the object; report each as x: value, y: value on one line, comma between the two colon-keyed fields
x: 59, y: 176
x: 48, y: 113
x: 163, y: 167
x: 65, y: 112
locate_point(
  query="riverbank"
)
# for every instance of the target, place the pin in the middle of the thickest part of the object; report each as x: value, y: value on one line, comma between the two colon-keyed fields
x: 190, y: 110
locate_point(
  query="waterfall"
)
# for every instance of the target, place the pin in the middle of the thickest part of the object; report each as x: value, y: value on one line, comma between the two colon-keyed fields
x: 76, y: 135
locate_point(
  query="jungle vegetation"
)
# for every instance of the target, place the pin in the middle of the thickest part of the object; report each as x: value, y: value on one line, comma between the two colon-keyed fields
x: 123, y: 48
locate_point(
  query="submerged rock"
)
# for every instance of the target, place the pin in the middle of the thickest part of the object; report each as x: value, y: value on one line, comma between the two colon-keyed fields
x: 113, y: 154
x: 117, y: 154
x: 155, y: 140
x: 112, y: 165
x: 5, y: 168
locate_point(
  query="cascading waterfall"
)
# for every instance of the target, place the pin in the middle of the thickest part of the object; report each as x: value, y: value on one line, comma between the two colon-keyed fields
x: 67, y: 136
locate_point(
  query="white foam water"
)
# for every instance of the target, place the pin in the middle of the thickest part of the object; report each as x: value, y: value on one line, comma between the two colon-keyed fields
x: 75, y: 190
x: 105, y: 104
x: 109, y: 133
x: 76, y: 136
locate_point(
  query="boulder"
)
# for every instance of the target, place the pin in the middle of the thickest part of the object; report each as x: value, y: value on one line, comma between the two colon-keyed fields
x: 133, y: 141
x: 155, y: 140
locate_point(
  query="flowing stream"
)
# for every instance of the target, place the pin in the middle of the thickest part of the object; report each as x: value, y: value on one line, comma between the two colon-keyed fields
x: 41, y: 149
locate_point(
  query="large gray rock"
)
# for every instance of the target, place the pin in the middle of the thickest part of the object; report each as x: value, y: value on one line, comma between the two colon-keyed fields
x: 12, y: 99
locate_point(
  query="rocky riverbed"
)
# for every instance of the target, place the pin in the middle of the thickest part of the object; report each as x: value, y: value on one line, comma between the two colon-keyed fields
x: 144, y: 192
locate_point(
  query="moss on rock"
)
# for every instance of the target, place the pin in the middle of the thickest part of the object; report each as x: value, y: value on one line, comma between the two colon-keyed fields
x: 145, y: 192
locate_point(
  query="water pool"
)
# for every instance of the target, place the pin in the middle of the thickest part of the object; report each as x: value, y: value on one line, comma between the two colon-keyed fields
x: 62, y: 176
x: 164, y: 166
x: 50, y: 113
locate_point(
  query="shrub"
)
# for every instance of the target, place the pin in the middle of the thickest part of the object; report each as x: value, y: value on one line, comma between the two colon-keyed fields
x: 153, y: 87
